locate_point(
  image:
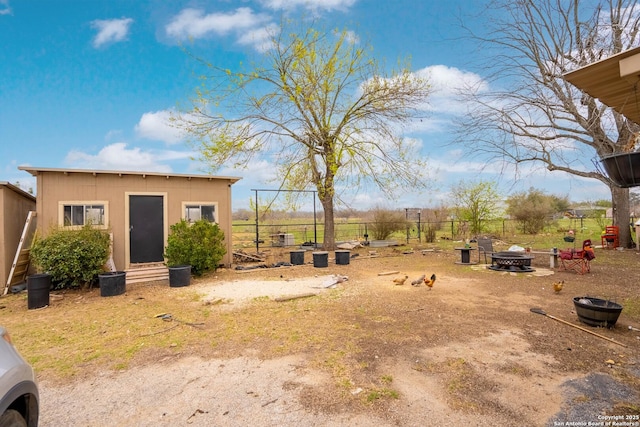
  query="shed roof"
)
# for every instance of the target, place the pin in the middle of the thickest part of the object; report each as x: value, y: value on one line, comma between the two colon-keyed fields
x: 18, y: 190
x: 35, y: 171
x: 614, y: 81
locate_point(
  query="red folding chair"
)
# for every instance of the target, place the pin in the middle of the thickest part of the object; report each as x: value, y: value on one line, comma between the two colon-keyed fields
x: 578, y: 261
x: 610, y: 237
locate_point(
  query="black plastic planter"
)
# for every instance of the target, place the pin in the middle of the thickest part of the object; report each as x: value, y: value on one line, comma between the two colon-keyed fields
x: 38, y: 287
x: 320, y: 259
x: 112, y: 283
x: 179, y: 276
x: 343, y: 257
x: 596, y: 311
x: 623, y: 169
x: 297, y: 257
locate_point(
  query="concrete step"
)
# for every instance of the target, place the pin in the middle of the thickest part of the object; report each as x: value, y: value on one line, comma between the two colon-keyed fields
x: 151, y: 273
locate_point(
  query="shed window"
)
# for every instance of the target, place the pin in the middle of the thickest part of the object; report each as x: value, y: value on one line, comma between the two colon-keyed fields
x: 79, y: 215
x: 195, y: 212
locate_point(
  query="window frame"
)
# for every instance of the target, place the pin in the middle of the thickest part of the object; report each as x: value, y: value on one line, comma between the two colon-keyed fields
x: 84, y: 204
x: 216, y: 215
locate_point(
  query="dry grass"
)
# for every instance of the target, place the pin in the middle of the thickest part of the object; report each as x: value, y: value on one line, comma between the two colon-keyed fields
x: 81, y: 332
x: 345, y: 332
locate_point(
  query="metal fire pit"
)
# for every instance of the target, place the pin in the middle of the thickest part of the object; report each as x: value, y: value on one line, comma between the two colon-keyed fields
x: 515, y: 262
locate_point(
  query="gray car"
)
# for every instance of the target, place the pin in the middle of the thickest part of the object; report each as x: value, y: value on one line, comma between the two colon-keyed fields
x: 19, y: 400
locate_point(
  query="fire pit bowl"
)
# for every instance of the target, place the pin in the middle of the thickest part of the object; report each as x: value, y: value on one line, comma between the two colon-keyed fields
x: 596, y: 311
x: 511, y: 261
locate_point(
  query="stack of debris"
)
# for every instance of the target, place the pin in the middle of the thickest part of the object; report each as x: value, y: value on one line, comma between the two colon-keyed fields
x: 241, y: 256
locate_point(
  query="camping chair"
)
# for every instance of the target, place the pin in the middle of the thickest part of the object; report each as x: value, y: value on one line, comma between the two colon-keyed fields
x: 578, y: 261
x: 610, y: 237
x: 486, y: 247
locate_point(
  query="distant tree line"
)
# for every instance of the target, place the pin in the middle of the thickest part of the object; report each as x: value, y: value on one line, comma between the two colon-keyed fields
x: 472, y: 206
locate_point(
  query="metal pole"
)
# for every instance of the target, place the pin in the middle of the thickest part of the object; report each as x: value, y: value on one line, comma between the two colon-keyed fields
x: 315, y: 231
x: 366, y: 235
x: 315, y: 224
x: 406, y: 217
x: 257, y: 234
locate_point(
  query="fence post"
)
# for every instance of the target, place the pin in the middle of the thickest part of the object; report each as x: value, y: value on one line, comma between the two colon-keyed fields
x: 406, y: 217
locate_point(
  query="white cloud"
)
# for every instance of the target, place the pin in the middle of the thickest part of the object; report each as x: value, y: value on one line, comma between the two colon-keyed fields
x: 261, y: 38
x: 447, y: 83
x: 352, y: 37
x: 113, y: 135
x: 5, y: 8
x: 118, y: 157
x: 433, y: 124
x: 444, y: 100
x: 250, y: 27
x: 448, y: 80
x: 195, y: 23
x: 110, y: 31
x: 257, y: 173
x: 156, y: 126
x: 454, y: 166
x: 314, y: 5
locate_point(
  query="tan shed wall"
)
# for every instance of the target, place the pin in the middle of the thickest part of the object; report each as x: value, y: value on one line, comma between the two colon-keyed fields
x: 56, y: 187
x: 14, y: 209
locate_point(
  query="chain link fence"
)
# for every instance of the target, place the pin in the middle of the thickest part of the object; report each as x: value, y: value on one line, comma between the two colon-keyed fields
x: 285, y: 234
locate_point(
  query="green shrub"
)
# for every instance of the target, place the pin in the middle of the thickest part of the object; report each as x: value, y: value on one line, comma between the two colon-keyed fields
x: 385, y: 222
x: 533, y: 209
x: 200, y: 245
x: 72, y: 257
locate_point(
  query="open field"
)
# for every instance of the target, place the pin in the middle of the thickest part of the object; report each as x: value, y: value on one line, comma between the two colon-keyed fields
x: 468, y: 351
x: 444, y: 232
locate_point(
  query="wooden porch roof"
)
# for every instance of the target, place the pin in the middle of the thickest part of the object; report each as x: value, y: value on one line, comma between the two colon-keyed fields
x: 614, y: 81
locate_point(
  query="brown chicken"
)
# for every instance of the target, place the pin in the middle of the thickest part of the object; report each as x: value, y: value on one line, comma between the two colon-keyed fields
x: 557, y: 286
x: 400, y: 280
x: 430, y: 281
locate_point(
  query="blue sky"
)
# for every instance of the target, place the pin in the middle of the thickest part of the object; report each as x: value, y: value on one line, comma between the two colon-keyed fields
x: 90, y: 83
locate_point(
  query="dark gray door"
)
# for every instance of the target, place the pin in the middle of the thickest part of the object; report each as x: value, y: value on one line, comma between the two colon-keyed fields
x: 146, y: 229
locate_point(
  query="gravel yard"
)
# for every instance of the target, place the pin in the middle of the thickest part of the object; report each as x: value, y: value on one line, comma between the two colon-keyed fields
x: 363, y: 351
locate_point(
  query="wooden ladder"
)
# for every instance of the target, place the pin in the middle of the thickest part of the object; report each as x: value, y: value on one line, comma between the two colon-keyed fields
x: 20, y: 264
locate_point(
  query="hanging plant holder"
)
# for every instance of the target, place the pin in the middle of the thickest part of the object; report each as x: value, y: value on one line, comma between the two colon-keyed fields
x: 623, y: 169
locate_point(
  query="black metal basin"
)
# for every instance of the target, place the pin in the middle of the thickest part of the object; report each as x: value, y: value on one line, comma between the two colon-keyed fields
x: 623, y: 169
x: 596, y: 311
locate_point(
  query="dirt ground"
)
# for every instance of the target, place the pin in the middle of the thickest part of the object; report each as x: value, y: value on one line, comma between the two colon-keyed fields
x: 467, y: 352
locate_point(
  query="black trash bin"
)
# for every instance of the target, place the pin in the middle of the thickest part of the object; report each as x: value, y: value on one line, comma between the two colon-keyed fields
x: 179, y: 275
x: 112, y: 283
x: 321, y: 259
x: 38, y: 287
x: 342, y: 257
x: 297, y: 257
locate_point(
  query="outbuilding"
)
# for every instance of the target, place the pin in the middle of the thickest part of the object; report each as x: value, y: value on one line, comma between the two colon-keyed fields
x: 136, y: 207
x: 15, y: 205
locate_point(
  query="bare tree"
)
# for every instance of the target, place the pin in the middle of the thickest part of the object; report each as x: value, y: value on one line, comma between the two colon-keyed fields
x: 532, y: 114
x: 323, y: 112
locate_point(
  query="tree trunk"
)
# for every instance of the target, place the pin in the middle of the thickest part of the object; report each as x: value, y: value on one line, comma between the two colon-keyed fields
x: 621, y: 214
x: 329, y: 226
